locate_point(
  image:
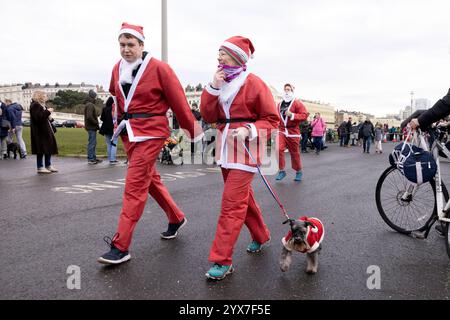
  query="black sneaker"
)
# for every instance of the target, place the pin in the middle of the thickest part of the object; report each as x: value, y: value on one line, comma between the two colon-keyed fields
x: 114, y: 256
x: 439, y: 229
x: 172, y: 230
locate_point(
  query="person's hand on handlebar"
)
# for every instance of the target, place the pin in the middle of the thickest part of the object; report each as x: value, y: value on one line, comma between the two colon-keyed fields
x: 414, y: 124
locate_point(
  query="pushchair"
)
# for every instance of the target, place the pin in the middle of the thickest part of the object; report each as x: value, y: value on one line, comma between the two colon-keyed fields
x: 171, y: 152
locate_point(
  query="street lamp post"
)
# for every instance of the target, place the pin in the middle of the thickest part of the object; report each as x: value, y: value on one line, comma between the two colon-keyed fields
x: 412, y: 95
x: 164, y: 42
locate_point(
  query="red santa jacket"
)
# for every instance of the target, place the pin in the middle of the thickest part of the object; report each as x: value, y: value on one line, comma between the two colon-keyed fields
x: 247, y: 100
x: 290, y: 126
x: 314, y: 236
x: 155, y: 89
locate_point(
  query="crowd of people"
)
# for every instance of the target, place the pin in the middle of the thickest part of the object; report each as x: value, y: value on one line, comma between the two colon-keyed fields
x: 364, y: 133
x: 11, y: 127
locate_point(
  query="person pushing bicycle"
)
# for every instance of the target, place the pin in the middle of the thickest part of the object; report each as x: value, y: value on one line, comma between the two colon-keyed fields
x: 440, y: 110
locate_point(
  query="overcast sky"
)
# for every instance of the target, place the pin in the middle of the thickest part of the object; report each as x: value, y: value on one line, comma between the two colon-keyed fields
x: 357, y: 55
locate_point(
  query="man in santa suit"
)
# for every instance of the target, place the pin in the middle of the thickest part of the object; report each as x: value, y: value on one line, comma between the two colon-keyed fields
x: 143, y: 89
x: 292, y: 112
x: 243, y: 107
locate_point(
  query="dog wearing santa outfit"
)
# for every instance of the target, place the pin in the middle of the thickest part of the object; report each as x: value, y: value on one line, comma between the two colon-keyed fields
x: 243, y: 108
x: 305, y: 236
x: 143, y: 89
x: 292, y: 112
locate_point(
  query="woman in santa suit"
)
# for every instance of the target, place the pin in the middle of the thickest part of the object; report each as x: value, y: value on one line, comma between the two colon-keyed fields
x: 243, y: 107
x: 144, y: 88
x: 292, y: 112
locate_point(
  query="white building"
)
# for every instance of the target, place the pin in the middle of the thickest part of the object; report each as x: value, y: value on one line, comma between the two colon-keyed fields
x: 22, y: 93
x: 405, y: 113
x: 193, y: 97
x: 13, y: 92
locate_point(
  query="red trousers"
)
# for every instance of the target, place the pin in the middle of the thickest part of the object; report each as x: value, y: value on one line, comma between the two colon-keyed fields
x: 293, y: 145
x: 238, y: 208
x: 142, y: 179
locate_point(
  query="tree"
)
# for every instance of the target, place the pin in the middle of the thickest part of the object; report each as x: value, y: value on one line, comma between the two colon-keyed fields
x: 73, y: 102
x: 67, y: 99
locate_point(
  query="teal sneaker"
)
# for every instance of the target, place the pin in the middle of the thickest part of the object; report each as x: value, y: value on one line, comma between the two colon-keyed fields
x: 281, y: 175
x: 255, y: 246
x: 298, y: 176
x: 219, y: 272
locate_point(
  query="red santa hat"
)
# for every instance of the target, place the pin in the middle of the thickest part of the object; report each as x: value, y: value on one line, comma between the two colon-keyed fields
x: 136, y: 31
x: 239, y: 48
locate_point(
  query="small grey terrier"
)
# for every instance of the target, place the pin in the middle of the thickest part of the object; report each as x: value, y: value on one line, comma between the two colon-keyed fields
x: 305, y: 236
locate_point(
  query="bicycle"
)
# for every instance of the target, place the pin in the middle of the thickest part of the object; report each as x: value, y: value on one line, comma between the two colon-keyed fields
x: 412, y: 209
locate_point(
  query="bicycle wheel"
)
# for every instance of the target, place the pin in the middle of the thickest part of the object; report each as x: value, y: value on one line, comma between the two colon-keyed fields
x: 405, y: 215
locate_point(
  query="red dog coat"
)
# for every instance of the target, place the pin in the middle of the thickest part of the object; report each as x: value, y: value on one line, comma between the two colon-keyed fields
x: 314, y: 236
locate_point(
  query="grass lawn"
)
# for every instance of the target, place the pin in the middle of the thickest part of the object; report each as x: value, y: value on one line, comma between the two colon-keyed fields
x: 72, y: 142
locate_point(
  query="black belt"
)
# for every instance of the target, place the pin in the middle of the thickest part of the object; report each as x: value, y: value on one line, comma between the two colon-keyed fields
x: 127, y: 116
x: 223, y: 121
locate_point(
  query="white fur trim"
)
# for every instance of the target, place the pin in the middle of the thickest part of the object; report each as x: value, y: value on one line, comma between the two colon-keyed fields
x: 226, y: 104
x: 230, y: 90
x: 133, y: 138
x: 135, y: 82
x: 132, y: 32
x: 115, y: 110
x: 253, y: 132
x: 238, y: 166
x: 286, y: 244
x: 197, y: 138
x: 314, y: 247
x: 288, y: 109
x: 212, y: 91
x: 119, y: 129
x: 317, y: 244
x: 293, y: 117
x: 238, y: 50
x: 126, y: 70
x: 286, y: 133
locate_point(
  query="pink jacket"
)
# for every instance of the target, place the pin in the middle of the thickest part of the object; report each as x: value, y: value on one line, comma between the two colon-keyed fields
x: 319, y: 127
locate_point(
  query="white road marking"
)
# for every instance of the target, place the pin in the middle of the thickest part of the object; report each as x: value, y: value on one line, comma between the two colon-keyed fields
x: 116, y: 184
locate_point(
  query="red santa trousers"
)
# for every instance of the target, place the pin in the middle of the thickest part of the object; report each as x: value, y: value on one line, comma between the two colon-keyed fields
x: 293, y: 145
x: 238, y: 208
x: 142, y: 179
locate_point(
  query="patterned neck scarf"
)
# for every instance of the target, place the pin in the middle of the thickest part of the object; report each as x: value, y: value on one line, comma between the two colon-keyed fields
x: 232, y: 71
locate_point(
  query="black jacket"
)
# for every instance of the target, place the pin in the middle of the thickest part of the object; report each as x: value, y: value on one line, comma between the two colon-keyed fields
x: 348, y: 127
x: 440, y: 110
x: 107, y: 119
x: 43, y: 140
x: 367, y: 130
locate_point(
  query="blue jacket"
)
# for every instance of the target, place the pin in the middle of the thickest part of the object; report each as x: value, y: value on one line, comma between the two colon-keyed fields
x: 14, y: 114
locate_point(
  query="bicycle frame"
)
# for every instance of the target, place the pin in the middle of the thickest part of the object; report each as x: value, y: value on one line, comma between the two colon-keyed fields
x: 441, y: 209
